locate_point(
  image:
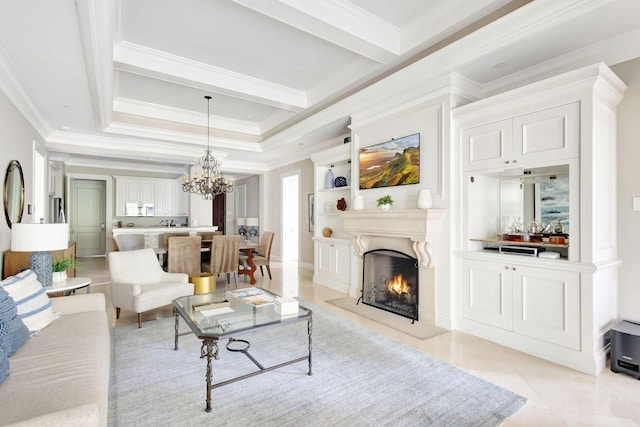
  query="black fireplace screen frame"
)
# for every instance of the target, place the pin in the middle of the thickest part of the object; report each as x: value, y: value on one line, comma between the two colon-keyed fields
x: 413, y: 316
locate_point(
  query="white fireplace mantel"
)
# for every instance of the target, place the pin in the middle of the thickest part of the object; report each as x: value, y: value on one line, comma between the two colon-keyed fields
x: 420, y: 226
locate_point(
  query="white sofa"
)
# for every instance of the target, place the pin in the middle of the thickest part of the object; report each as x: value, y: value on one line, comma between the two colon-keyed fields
x: 61, y: 376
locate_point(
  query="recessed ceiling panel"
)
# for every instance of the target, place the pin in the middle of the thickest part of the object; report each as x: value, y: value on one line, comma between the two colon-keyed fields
x: 144, y: 89
x: 230, y: 36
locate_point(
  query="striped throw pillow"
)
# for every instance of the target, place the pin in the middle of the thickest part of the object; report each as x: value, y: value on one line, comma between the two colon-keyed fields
x: 34, y: 306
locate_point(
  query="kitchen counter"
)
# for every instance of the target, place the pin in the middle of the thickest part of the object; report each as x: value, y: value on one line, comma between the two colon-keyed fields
x: 159, y: 230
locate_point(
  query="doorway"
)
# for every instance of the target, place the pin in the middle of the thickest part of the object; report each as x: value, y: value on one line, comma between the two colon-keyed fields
x: 290, y: 216
x: 88, y: 217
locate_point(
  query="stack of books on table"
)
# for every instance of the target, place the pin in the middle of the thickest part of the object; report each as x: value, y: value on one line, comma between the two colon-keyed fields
x: 286, y: 306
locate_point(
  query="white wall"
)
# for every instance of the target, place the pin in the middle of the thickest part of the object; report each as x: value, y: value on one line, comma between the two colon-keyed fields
x: 16, y: 143
x: 629, y: 187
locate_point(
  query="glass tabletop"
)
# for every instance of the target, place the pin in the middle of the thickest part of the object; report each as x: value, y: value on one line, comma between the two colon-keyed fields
x: 227, y: 312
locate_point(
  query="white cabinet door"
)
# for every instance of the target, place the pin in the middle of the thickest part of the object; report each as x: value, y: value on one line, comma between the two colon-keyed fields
x: 120, y: 196
x: 160, y: 206
x: 341, y: 262
x: 547, y: 134
x: 132, y: 190
x: 170, y: 197
x: 487, y: 293
x: 332, y: 261
x: 147, y: 191
x: 487, y: 146
x: 550, y: 134
x: 323, y: 259
x: 182, y: 200
x: 547, y: 305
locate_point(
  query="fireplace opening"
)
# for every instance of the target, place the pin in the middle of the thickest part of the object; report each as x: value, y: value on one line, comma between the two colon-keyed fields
x: 390, y: 282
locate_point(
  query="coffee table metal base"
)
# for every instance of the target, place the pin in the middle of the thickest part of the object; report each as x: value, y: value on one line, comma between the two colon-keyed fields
x: 210, y: 350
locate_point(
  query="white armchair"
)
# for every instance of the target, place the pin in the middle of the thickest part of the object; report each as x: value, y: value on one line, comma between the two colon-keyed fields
x: 139, y: 284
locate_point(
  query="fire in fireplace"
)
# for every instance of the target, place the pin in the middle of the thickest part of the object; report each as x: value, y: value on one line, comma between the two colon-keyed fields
x: 390, y: 282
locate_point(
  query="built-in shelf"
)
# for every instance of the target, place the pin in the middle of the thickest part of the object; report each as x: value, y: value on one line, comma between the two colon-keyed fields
x: 346, y: 187
x: 521, y: 243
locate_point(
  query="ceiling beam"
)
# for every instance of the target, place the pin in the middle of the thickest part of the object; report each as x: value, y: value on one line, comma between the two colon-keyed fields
x: 174, y: 69
x: 338, y: 22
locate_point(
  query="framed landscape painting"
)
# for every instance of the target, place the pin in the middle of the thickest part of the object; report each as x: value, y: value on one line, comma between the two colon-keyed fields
x: 391, y: 163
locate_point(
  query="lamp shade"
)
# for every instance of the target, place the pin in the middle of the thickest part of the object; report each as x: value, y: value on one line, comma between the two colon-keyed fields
x: 241, y: 221
x: 39, y: 237
x: 252, y: 222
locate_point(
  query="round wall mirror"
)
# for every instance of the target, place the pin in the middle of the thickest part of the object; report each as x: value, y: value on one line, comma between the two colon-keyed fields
x: 13, y: 193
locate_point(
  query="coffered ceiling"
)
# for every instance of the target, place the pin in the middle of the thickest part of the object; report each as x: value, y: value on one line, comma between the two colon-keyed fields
x: 121, y: 81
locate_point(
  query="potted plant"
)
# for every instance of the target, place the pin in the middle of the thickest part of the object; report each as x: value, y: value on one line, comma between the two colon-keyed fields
x: 385, y: 202
x: 60, y: 266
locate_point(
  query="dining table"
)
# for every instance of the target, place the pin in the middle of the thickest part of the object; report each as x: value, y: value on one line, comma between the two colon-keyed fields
x: 248, y: 247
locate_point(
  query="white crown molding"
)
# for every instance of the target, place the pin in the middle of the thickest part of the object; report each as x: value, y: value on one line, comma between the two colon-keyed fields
x: 15, y: 89
x: 338, y: 22
x: 156, y: 64
x: 98, y: 145
x: 161, y: 112
x: 184, y: 137
x: 139, y: 166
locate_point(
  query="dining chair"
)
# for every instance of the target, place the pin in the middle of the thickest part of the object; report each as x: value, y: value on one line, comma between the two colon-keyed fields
x: 112, y: 244
x: 183, y: 255
x: 263, y: 257
x: 130, y: 242
x: 224, y: 257
x: 167, y: 236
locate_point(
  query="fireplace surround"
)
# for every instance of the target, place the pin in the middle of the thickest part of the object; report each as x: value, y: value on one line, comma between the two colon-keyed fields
x: 412, y: 232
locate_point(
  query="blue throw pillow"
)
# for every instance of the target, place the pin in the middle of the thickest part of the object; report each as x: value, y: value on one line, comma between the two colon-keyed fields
x: 34, y: 306
x: 13, y: 332
x: 4, y: 366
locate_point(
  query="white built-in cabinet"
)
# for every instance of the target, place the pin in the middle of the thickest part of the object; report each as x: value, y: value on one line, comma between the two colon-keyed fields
x: 332, y: 254
x: 165, y: 194
x: 552, y: 133
x: 557, y: 309
x: 540, y: 303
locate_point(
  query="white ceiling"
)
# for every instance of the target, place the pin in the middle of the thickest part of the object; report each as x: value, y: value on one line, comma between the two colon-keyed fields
x: 109, y: 82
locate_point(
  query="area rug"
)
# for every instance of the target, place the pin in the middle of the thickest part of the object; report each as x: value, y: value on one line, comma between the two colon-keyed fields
x: 360, y: 378
x: 419, y: 330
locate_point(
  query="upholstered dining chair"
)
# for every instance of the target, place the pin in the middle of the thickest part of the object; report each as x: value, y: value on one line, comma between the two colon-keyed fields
x: 183, y: 255
x: 263, y: 257
x: 112, y: 244
x: 130, y: 242
x: 139, y: 284
x: 224, y: 256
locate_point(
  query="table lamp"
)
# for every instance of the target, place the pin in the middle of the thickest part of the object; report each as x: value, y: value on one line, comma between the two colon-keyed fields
x: 253, y: 223
x: 241, y: 222
x: 40, y: 239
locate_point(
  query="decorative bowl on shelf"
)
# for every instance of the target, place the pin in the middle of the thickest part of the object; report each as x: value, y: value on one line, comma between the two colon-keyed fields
x: 340, y: 181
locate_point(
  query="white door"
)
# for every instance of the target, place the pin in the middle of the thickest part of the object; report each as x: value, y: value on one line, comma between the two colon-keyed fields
x: 290, y: 216
x: 88, y: 217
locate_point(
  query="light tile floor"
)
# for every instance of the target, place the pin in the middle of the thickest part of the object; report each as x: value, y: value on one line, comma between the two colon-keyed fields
x: 558, y: 396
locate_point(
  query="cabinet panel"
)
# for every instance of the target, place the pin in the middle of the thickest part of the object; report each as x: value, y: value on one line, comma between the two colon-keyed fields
x: 486, y: 293
x: 547, y: 134
x: 547, y: 305
x: 132, y: 190
x: 487, y: 145
x: 332, y: 261
x: 147, y: 191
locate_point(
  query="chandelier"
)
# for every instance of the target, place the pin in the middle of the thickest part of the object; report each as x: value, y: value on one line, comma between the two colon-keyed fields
x: 212, y: 183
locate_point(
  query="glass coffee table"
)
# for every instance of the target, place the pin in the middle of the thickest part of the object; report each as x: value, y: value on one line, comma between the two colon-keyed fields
x: 228, y: 314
